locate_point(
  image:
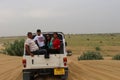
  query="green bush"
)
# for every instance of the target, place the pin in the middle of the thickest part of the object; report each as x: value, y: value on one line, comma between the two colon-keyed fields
x: 98, y: 48
x: 90, y: 56
x: 116, y: 57
x: 14, y: 49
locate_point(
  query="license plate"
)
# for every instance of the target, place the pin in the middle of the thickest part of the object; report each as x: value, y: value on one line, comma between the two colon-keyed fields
x: 59, y: 71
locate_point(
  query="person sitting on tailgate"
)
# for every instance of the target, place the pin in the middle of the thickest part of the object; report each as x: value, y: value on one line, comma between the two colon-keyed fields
x: 31, y: 47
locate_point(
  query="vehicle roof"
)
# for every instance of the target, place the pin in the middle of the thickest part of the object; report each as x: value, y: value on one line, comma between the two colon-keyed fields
x: 52, y: 32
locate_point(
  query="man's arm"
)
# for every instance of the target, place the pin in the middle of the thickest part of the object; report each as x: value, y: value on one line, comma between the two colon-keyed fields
x: 35, y: 40
x: 28, y: 50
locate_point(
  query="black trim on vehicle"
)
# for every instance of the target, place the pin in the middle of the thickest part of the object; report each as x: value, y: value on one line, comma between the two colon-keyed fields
x: 44, y: 71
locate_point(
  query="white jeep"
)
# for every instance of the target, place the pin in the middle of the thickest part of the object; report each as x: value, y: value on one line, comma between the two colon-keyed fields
x: 55, y: 64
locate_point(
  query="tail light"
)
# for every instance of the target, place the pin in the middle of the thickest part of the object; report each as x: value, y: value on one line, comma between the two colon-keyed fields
x: 24, y: 62
x: 65, y: 61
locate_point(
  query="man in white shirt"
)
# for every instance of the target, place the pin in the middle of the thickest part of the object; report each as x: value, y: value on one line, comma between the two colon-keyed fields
x: 31, y: 47
x: 40, y: 39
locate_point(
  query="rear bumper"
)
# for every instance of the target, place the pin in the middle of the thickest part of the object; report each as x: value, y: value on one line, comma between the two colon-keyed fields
x: 45, y: 71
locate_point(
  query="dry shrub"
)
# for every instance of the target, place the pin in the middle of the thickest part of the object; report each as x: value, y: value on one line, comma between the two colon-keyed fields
x: 14, y: 49
x: 116, y: 57
x: 90, y: 56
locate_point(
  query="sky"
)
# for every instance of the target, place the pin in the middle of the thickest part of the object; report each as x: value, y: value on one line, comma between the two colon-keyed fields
x: 17, y: 17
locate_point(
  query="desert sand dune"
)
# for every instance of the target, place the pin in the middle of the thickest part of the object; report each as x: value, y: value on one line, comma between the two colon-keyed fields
x: 11, y: 69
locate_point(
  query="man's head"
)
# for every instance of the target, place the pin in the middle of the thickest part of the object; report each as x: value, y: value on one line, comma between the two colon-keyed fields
x: 38, y: 31
x: 29, y: 34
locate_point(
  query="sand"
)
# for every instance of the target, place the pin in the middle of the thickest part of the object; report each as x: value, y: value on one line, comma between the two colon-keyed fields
x: 11, y: 69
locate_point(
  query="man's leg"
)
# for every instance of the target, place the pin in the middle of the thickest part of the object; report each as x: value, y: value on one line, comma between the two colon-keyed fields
x: 35, y: 52
x: 42, y: 51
